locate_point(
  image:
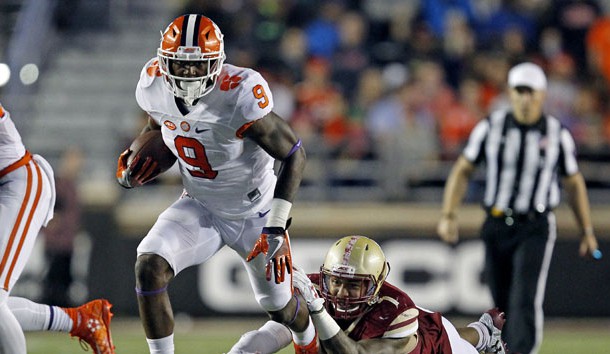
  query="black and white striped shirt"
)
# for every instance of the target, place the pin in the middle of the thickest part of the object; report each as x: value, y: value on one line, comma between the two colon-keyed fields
x: 522, y: 162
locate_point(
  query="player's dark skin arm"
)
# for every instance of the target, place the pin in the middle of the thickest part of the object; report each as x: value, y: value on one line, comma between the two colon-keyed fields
x: 276, y: 137
x: 342, y: 344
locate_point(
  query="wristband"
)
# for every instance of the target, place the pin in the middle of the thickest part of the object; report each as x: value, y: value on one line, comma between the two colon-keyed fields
x: 316, y: 306
x: 325, y: 325
x: 278, y: 215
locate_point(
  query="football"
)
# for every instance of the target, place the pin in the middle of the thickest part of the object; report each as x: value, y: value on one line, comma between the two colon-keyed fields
x: 150, y: 144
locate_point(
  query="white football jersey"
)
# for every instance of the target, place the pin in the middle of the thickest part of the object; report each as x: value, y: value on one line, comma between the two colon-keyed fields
x: 231, y: 176
x: 11, y: 146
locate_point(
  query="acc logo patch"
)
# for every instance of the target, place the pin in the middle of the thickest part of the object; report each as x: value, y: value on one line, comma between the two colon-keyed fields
x: 170, y: 125
x: 185, y: 126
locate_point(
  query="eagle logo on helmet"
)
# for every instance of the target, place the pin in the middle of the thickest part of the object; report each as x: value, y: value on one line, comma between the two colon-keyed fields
x: 191, y: 40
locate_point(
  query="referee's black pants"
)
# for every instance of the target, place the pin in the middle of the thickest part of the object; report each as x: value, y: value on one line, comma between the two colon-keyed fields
x: 518, y: 253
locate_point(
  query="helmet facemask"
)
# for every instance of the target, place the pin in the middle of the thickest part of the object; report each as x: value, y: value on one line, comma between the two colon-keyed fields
x: 190, y: 56
x: 351, y: 276
x: 190, y: 88
x: 351, y: 306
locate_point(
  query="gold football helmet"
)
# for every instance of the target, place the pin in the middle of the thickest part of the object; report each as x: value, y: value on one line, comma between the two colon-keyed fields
x: 192, y: 40
x: 358, y: 264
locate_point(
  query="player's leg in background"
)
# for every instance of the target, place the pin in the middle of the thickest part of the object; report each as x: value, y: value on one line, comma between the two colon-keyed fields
x: 26, y: 199
x: 33, y: 316
x: 12, y: 340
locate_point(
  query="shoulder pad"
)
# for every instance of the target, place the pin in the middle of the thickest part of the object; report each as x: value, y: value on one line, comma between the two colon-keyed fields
x: 404, y: 325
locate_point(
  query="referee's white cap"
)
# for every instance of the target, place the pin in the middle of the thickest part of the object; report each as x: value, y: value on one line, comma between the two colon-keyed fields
x: 528, y: 75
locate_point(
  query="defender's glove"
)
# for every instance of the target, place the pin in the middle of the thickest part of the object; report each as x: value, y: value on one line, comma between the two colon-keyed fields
x: 303, y: 284
x: 274, y: 243
x: 134, y: 174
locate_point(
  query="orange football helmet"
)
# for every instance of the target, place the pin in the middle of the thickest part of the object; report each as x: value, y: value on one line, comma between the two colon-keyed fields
x: 191, y: 40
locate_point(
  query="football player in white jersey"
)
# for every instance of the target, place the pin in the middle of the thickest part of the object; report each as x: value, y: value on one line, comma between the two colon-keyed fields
x: 218, y: 120
x: 27, y: 199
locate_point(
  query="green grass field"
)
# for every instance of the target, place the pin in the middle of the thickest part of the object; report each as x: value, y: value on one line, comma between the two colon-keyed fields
x: 217, y: 336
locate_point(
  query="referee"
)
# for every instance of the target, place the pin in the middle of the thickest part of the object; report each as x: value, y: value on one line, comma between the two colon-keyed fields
x: 524, y: 152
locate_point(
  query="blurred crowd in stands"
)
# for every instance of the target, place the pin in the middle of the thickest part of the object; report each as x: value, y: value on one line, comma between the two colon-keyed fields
x: 407, y: 80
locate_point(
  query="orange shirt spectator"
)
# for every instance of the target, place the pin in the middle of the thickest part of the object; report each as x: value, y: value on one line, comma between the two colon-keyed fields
x: 598, y: 47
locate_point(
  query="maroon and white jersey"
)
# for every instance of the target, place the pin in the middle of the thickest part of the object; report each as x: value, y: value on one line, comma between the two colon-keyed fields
x: 397, y: 316
x: 11, y: 146
x: 233, y: 177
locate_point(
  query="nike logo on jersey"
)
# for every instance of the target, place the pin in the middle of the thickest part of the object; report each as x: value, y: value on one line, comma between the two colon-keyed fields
x: 197, y: 130
x: 262, y: 215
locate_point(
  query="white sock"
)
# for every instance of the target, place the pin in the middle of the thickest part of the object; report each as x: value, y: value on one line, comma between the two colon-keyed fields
x: 61, y: 321
x: 12, y: 339
x: 484, y: 336
x: 161, y: 345
x: 38, y: 317
x: 304, y: 338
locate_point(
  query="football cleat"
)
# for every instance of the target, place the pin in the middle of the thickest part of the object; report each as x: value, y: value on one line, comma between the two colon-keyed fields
x: 92, y: 325
x: 493, y: 320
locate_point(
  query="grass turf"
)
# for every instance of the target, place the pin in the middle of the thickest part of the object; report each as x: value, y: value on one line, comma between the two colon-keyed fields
x: 217, y: 336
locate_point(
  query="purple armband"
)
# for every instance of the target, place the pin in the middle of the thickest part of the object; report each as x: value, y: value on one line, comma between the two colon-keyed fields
x: 295, y: 147
x: 296, y: 312
x: 151, y: 292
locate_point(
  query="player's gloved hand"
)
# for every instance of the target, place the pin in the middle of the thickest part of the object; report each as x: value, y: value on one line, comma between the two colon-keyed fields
x: 123, y: 172
x: 134, y: 174
x: 274, y: 243
x: 303, y: 284
x: 144, y: 172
